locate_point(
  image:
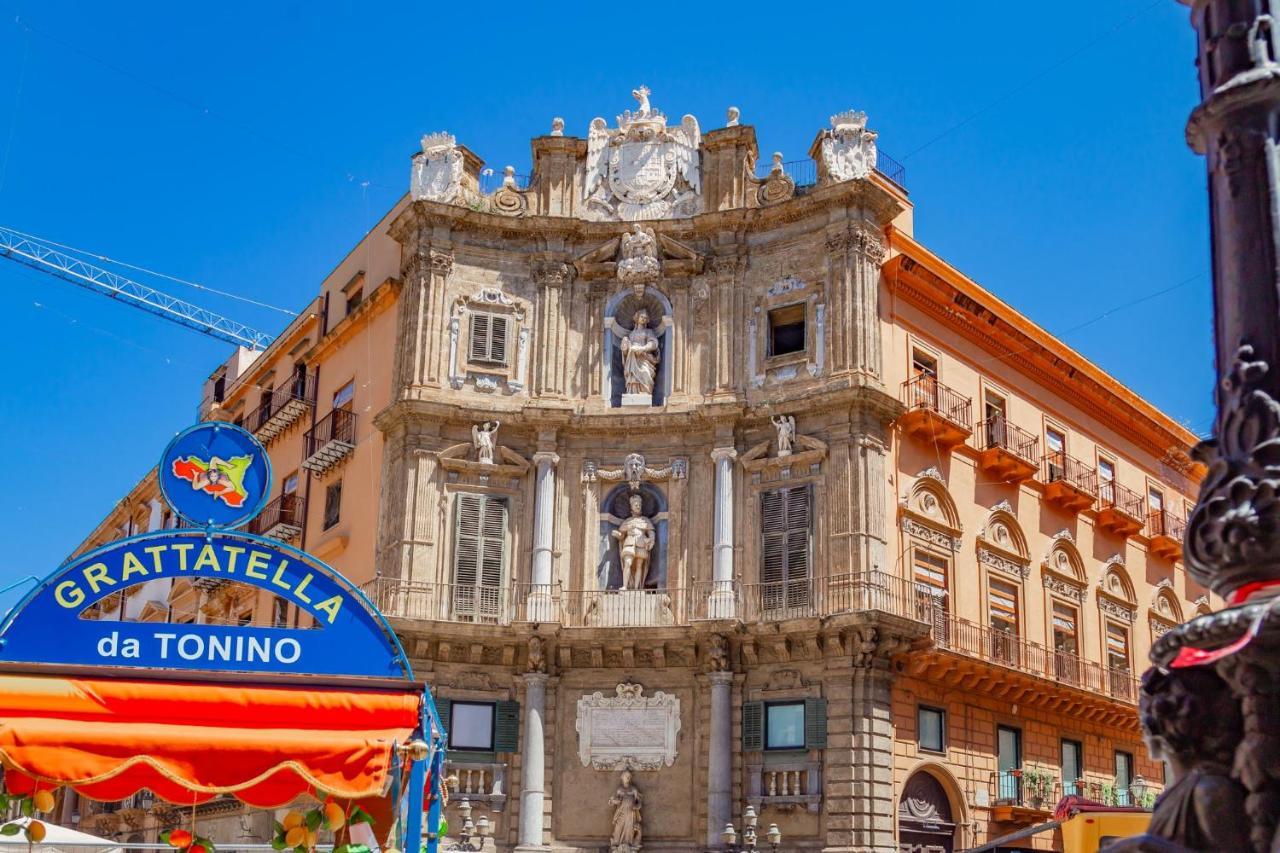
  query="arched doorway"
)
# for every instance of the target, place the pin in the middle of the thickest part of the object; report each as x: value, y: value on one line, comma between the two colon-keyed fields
x: 925, y: 823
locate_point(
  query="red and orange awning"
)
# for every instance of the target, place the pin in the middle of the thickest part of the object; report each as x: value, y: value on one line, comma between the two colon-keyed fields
x: 188, y: 742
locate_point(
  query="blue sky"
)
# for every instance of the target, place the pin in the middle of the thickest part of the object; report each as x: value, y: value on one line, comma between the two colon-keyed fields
x: 248, y: 146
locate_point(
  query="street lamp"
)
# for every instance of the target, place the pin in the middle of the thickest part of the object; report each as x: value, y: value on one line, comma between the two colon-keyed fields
x: 1139, y: 788
x: 472, y: 832
x: 749, y: 840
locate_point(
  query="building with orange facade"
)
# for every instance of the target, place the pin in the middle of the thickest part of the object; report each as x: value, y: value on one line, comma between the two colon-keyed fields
x: 666, y: 461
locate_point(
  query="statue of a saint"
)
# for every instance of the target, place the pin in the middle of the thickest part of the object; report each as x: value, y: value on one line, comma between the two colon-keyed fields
x: 484, y: 437
x: 1191, y: 720
x: 640, y: 356
x: 786, y: 427
x: 636, y: 537
x: 626, y: 802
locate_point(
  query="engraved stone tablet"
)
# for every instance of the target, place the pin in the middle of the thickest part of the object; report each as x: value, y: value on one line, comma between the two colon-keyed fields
x: 628, y: 729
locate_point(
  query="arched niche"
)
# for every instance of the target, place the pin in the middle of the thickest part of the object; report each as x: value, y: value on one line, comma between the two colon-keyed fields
x: 927, y: 819
x: 1064, y: 558
x: 929, y: 514
x: 1166, y: 605
x: 1002, y: 545
x: 614, y: 509
x: 619, y: 319
x: 1116, y: 583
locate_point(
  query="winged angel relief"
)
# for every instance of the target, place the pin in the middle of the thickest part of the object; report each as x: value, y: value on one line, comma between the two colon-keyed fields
x: 642, y: 169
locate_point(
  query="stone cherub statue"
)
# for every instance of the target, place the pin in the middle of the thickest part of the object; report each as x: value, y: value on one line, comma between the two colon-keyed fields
x: 627, y: 817
x: 484, y: 437
x: 636, y: 536
x: 786, y: 427
x: 640, y: 356
x: 1191, y: 720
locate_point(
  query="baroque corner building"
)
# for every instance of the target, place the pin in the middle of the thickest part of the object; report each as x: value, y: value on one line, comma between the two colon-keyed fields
x: 667, y: 461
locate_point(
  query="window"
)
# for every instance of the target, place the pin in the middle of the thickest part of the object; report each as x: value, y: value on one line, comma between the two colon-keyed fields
x: 1124, y: 778
x: 280, y: 612
x: 1117, y: 646
x: 994, y: 414
x: 931, y: 726
x: 784, y: 531
x: 354, y: 298
x: 290, y: 485
x: 1002, y: 600
x: 784, y: 725
x: 245, y: 617
x: 923, y: 364
x: 479, y: 555
x: 471, y: 726
x: 1072, y: 766
x: 332, y: 504
x: 786, y: 330
x: 344, y: 397
x: 1155, y: 498
x: 931, y: 572
x: 1055, y: 442
x: 1008, y: 759
x: 488, y: 338
x: 994, y: 406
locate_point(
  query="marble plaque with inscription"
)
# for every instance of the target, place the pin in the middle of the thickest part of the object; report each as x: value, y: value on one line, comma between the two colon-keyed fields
x: 628, y: 729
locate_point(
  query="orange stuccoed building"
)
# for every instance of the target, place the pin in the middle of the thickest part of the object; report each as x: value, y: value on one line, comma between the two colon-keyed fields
x: 667, y: 460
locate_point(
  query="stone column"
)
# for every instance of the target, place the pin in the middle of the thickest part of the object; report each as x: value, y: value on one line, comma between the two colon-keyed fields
x: 422, y: 320
x: 721, y: 604
x: 855, y: 253
x: 533, y: 761
x: 720, y: 758
x: 540, y: 598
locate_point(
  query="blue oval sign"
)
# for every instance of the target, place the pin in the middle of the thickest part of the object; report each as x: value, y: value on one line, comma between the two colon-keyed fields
x: 215, y: 475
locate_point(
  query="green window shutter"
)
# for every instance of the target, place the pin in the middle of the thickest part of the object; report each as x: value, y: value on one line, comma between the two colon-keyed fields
x: 752, y: 726
x: 506, y: 726
x: 815, y: 724
x: 444, y: 706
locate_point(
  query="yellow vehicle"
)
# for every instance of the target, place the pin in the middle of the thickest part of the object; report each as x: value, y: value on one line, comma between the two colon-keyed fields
x: 1085, y: 826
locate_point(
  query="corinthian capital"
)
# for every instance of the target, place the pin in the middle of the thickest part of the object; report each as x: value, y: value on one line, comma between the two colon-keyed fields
x: 552, y: 272
x: 870, y: 242
x: 441, y: 262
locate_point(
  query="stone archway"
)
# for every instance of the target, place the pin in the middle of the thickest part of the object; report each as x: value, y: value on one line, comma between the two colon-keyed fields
x: 925, y: 820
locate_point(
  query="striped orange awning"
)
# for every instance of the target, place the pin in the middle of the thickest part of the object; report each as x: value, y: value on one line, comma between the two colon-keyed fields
x: 188, y: 742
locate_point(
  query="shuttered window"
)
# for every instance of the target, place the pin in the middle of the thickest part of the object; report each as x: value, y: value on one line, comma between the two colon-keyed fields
x: 931, y: 571
x: 752, y: 726
x: 1064, y: 628
x: 1003, y: 600
x: 488, y: 338
x: 801, y: 724
x: 479, y: 555
x: 784, y: 530
x: 506, y: 727
x: 1117, y: 646
x: 471, y: 726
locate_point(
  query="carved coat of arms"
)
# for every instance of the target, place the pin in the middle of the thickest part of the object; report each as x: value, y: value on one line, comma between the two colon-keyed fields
x: 642, y: 169
x: 849, y: 148
x: 437, y: 169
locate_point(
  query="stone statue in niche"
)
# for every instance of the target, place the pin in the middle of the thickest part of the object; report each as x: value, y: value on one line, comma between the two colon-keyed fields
x: 627, y: 818
x: 484, y: 436
x: 1191, y: 720
x: 537, y: 655
x: 636, y: 537
x: 718, y: 654
x: 786, y: 427
x: 639, y: 361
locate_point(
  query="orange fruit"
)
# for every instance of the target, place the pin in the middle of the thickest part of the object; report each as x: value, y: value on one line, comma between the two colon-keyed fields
x: 291, y: 820
x: 35, y: 832
x: 42, y: 801
x: 179, y: 838
x: 296, y: 837
x: 312, y: 837
x: 334, y: 816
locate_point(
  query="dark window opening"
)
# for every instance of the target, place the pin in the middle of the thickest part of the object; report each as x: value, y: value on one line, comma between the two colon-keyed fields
x: 786, y: 330
x: 332, y: 504
x: 354, y: 298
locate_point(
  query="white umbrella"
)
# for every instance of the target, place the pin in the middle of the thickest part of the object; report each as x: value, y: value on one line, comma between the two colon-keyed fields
x: 59, y: 839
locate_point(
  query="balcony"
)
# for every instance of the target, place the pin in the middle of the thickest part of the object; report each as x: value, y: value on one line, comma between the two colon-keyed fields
x: 330, y: 441
x: 1007, y: 452
x: 283, y: 407
x: 624, y: 608
x: 441, y: 602
x: 817, y: 597
x: 478, y: 781
x: 1166, y: 534
x: 1070, y: 484
x: 282, y: 519
x: 935, y: 413
x: 1121, y: 510
x: 1027, y: 794
x: 785, y: 785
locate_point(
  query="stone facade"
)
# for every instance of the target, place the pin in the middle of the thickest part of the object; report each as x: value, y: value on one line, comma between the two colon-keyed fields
x: 805, y: 593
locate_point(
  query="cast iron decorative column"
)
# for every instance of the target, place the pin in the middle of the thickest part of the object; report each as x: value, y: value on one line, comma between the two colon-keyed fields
x: 533, y: 760
x: 1233, y: 535
x: 721, y: 605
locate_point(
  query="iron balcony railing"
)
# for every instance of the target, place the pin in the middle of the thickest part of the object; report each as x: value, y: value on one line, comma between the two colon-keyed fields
x: 491, y: 181
x: 441, y: 602
x: 997, y: 433
x: 1113, y: 495
x: 927, y: 393
x: 332, y: 438
x: 285, y: 512
x: 805, y: 172
x: 300, y: 388
x: 1058, y: 466
x: 1161, y: 522
x: 1025, y: 788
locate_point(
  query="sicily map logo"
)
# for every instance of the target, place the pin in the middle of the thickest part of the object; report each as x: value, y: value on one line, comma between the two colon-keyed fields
x: 221, y: 478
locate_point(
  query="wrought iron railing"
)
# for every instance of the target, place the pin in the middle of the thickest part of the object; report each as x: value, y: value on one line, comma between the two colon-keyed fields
x: 996, y: 432
x: 1113, y: 495
x: 1025, y: 788
x: 1058, y: 466
x: 289, y: 509
x: 805, y: 172
x: 337, y: 426
x: 1161, y: 522
x: 926, y: 392
x: 300, y: 387
x: 441, y: 602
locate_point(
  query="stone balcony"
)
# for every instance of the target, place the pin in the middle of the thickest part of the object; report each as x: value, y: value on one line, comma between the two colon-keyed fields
x: 785, y: 784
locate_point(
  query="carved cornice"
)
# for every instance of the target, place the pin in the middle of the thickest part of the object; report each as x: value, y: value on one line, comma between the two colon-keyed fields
x: 634, y: 471
x: 929, y: 531
x: 998, y: 559
x: 1064, y: 586
x: 552, y: 272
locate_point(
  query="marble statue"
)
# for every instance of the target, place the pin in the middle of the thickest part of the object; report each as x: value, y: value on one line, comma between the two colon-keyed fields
x: 636, y: 537
x: 557, y: 126
x: 1190, y: 719
x: 437, y: 169
x: 639, y: 264
x: 627, y: 803
x: 640, y: 356
x: 848, y: 149
x: 484, y: 437
x: 786, y: 427
x: 734, y: 116
x: 718, y: 654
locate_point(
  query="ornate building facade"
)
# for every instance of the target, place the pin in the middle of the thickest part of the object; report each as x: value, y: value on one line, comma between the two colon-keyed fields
x: 671, y: 465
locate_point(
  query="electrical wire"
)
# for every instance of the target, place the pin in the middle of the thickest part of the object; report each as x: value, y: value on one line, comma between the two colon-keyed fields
x: 17, y: 101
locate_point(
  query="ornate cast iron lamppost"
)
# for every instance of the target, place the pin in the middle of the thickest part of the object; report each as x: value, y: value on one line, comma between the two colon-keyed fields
x: 1224, y: 748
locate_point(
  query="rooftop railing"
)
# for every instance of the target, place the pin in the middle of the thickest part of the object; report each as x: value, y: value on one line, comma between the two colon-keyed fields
x: 805, y: 172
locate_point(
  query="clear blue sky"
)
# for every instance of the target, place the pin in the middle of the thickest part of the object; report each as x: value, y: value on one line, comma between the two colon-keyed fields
x: 229, y: 144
